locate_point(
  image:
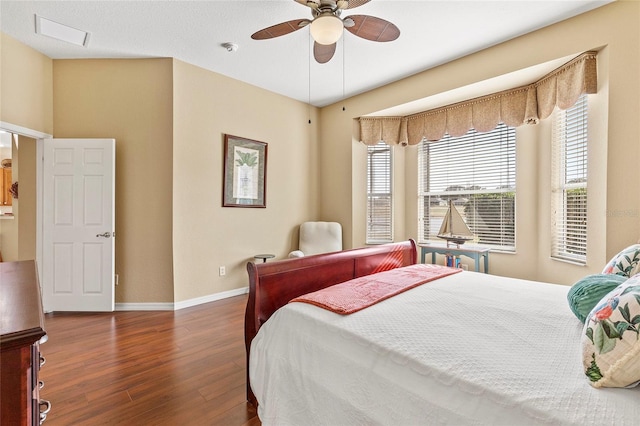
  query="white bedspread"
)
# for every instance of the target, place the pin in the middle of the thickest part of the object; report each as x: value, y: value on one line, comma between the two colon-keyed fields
x: 466, y: 349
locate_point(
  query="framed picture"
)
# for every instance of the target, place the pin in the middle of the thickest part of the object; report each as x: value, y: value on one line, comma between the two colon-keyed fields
x: 245, y: 172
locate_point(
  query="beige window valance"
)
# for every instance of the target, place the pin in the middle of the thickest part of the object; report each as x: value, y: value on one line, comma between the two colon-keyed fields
x: 523, y: 105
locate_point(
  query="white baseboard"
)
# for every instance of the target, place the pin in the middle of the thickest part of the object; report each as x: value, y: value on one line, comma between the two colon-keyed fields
x: 144, y: 306
x: 210, y: 298
x: 180, y: 305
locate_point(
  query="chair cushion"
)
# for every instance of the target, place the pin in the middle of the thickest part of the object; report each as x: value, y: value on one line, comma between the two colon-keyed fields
x: 320, y: 237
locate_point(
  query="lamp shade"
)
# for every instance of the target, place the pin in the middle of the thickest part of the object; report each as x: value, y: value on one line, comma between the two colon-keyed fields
x: 326, y: 29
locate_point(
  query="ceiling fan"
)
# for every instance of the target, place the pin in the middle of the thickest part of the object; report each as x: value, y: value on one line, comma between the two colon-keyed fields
x: 327, y: 27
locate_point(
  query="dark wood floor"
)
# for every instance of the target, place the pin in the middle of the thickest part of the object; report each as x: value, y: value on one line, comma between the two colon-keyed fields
x: 148, y: 368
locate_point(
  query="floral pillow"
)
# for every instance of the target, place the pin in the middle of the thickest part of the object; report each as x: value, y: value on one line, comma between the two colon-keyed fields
x: 610, y: 340
x: 626, y: 263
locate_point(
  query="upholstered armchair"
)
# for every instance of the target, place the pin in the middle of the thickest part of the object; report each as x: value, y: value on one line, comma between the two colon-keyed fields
x: 318, y: 237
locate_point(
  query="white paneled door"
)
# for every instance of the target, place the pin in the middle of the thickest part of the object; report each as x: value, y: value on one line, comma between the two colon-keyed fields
x: 78, y: 225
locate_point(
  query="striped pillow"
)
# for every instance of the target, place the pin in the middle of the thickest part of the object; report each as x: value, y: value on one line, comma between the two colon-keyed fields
x: 584, y: 294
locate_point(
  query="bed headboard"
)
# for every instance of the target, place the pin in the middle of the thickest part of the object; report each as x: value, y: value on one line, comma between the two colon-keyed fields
x: 273, y: 284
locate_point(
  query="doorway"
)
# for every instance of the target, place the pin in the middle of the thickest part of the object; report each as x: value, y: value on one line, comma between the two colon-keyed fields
x: 33, y: 209
x: 8, y: 227
x: 19, y: 230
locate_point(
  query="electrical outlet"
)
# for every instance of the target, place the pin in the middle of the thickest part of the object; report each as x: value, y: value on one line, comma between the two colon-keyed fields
x: 222, y: 271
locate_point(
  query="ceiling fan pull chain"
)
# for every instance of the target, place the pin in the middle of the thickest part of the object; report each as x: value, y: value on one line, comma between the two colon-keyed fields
x: 344, y: 46
x: 309, y: 73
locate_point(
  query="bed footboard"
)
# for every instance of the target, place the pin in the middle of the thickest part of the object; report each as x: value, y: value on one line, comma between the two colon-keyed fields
x: 272, y: 285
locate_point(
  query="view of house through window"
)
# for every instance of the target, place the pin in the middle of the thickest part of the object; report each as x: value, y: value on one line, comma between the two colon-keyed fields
x: 569, y: 183
x: 379, y: 194
x: 477, y: 173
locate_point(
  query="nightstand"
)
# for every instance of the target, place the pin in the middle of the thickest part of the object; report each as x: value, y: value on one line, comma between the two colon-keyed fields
x: 470, y: 251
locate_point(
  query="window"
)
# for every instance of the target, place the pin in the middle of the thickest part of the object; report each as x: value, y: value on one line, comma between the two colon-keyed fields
x: 379, y: 194
x: 569, y: 183
x: 477, y: 172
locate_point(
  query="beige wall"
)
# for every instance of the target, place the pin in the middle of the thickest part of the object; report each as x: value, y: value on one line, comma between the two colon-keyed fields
x: 133, y: 102
x: 26, y: 100
x: 168, y: 119
x: 205, y: 234
x: 26, y: 95
x: 130, y: 100
x: 26, y: 202
x: 614, y: 30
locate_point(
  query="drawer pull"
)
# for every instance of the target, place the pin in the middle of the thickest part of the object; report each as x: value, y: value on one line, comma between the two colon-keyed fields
x: 45, y: 411
x: 42, y: 360
x: 40, y: 384
x: 47, y: 404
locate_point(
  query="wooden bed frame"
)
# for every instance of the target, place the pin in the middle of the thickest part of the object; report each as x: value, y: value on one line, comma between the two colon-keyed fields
x: 272, y: 285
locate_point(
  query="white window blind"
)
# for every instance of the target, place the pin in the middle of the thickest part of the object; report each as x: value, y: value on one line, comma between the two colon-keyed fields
x: 477, y: 172
x: 379, y: 194
x: 569, y: 183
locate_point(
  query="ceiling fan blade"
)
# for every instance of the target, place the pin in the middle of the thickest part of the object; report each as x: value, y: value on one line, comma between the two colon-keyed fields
x: 372, y: 28
x: 280, y: 29
x: 323, y: 52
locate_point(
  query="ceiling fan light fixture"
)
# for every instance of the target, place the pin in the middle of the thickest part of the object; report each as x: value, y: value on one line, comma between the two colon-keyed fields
x: 326, y: 29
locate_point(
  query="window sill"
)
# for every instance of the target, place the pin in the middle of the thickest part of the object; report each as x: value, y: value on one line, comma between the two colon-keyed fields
x: 570, y: 262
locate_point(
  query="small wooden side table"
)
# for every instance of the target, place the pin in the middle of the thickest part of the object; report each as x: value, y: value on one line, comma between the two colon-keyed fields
x: 264, y: 257
x: 473, y: 252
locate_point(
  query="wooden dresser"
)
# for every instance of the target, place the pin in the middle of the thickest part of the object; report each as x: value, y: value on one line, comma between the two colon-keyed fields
x: 21, y: 332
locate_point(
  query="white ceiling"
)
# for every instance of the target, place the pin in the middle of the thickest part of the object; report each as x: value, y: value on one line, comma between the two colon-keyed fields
x: 432, y: 33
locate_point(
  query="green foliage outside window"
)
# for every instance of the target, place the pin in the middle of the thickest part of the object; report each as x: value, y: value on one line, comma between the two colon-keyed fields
x: 490, y: 215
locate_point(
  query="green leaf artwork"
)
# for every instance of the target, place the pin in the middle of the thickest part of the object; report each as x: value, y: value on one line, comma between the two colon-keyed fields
x: 247, y: 158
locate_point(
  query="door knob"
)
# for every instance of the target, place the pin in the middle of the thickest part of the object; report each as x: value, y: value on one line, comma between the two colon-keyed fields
x: 106, y: 235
